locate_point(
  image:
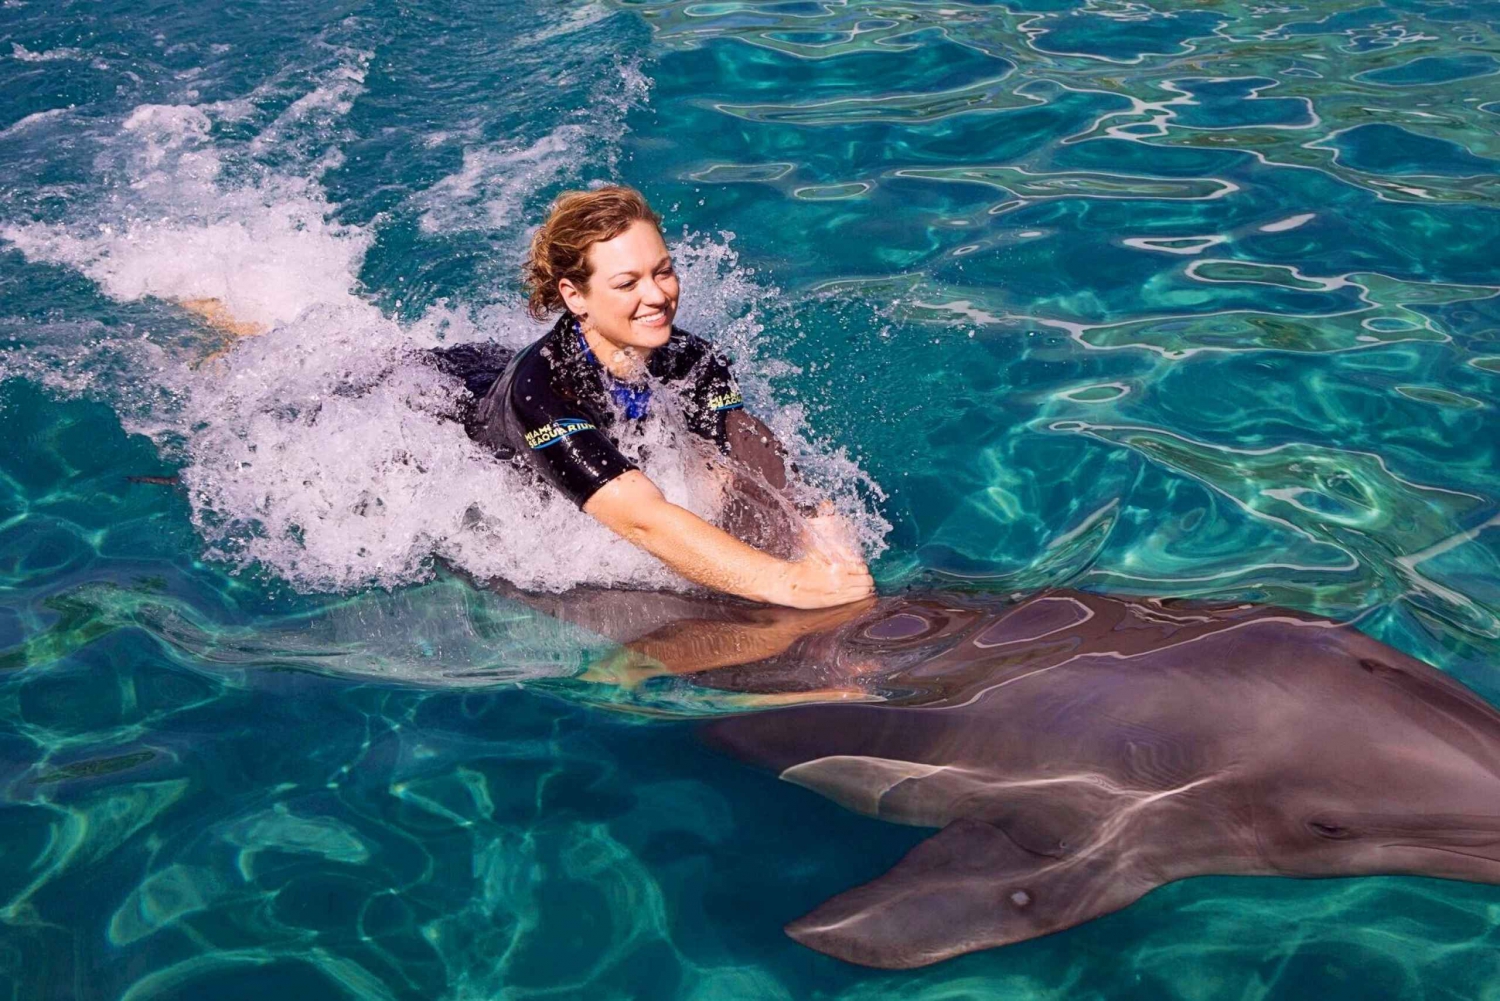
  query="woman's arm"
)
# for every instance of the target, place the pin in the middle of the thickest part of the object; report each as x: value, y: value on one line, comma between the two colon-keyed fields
x: 631, y: 506
x: 758, y: 508
x: 688, y: 646
x: 757, y: 517
x: 753, y: 445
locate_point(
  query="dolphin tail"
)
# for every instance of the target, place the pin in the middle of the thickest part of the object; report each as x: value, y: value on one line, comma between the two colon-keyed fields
x: 968, y: 887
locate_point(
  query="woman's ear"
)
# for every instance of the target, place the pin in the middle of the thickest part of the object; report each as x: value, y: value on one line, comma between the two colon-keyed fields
x: 572, y: 298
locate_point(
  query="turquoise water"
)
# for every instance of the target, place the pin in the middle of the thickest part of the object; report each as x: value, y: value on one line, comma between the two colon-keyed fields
x: 1193, y: 299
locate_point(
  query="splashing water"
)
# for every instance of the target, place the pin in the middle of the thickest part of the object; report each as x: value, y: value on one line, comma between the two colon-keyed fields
x: 325, y: 450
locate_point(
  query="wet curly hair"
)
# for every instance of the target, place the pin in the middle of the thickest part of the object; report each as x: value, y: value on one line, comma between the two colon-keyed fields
x: 577, y: 221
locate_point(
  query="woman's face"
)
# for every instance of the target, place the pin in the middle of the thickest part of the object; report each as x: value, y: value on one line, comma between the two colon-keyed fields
x: 632, y: 293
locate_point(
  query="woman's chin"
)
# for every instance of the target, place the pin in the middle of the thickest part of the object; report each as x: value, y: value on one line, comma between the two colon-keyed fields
x: 644, y: 336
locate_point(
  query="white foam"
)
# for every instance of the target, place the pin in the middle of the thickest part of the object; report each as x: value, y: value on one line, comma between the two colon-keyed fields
x: 31, y: 121
x: 267, y: 249
x: 321, y: 450
x: 488, y: 190
x: 721, y: 300
x: 19, y: 51
x: 573, y: 20
x: 491, y: 187
x: 311, y: 117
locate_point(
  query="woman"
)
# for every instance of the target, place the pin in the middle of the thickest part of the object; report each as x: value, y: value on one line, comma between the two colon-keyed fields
x: 611, y: 357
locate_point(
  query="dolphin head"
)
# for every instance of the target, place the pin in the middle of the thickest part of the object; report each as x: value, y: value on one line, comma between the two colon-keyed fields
x: 1396, y: 772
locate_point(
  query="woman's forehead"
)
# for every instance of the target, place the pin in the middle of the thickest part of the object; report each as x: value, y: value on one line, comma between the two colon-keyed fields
x: 638, y: 248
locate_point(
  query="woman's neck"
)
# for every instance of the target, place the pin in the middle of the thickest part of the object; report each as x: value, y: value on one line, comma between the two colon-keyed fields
x: 623, y: 361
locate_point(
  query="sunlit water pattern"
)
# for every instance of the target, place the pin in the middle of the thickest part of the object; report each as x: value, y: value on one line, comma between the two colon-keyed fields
x: 1194, y: 299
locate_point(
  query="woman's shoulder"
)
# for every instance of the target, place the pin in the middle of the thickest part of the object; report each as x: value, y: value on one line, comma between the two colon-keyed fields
x: 546, y: 357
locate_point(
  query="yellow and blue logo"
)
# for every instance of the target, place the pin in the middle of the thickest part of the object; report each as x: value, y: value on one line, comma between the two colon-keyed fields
x: 731, y: 400
x: 555, y: 431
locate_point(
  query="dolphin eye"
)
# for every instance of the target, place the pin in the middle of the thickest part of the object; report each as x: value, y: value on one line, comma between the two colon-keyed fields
x: 1326, y: 830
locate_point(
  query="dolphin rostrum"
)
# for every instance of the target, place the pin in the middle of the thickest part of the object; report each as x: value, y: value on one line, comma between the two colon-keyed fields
x: 1077, y: 751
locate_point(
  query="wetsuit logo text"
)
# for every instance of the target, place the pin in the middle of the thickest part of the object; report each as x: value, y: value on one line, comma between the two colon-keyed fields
x: 555, y: 431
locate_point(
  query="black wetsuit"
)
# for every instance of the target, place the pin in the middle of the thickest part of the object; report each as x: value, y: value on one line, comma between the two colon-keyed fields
x: 556, y: 405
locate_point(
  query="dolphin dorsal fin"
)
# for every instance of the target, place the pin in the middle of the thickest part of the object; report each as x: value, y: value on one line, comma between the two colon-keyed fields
x: 856, y: 782
x: 968, y: 887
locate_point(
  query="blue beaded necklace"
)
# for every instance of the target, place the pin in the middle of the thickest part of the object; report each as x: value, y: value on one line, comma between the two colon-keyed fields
x: 632, y: 399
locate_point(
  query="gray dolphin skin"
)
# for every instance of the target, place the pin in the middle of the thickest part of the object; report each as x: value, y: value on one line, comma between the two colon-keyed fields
x: 1077, y: 751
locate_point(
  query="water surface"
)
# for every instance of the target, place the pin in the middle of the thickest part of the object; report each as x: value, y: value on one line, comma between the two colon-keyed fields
x: 1173, y: 299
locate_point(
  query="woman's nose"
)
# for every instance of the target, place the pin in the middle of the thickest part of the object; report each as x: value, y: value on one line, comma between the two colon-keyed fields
x: 652, y: 294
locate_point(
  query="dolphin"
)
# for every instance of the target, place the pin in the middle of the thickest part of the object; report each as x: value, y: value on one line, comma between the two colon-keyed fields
x: 1076, y: 751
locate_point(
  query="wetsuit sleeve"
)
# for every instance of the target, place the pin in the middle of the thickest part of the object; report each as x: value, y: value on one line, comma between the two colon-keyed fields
x: 562, y: 440
x: 713, y: 395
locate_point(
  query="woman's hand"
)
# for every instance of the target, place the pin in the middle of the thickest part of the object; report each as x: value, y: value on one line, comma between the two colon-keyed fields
x: 830, y: 533
x: 822, y: 580
x: 831, y: 571
x: 624, y: 668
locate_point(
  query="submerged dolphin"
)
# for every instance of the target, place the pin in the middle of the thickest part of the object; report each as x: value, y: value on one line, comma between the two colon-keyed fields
x: 1078, y: 751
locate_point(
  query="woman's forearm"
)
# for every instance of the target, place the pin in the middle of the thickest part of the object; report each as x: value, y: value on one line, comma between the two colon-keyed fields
x: 753, y: 445
x: 634, y: 508
x: 691, y: 645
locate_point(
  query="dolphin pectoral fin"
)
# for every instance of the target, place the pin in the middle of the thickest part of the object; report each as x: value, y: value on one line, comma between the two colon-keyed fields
x: 856, y: 782
x: 969, y: 887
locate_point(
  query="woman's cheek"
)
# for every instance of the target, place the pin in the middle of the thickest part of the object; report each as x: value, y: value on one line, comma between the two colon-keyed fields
x: 617, y: 308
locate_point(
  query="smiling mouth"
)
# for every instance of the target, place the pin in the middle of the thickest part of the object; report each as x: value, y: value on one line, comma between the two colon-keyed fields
x: 652, y: 319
